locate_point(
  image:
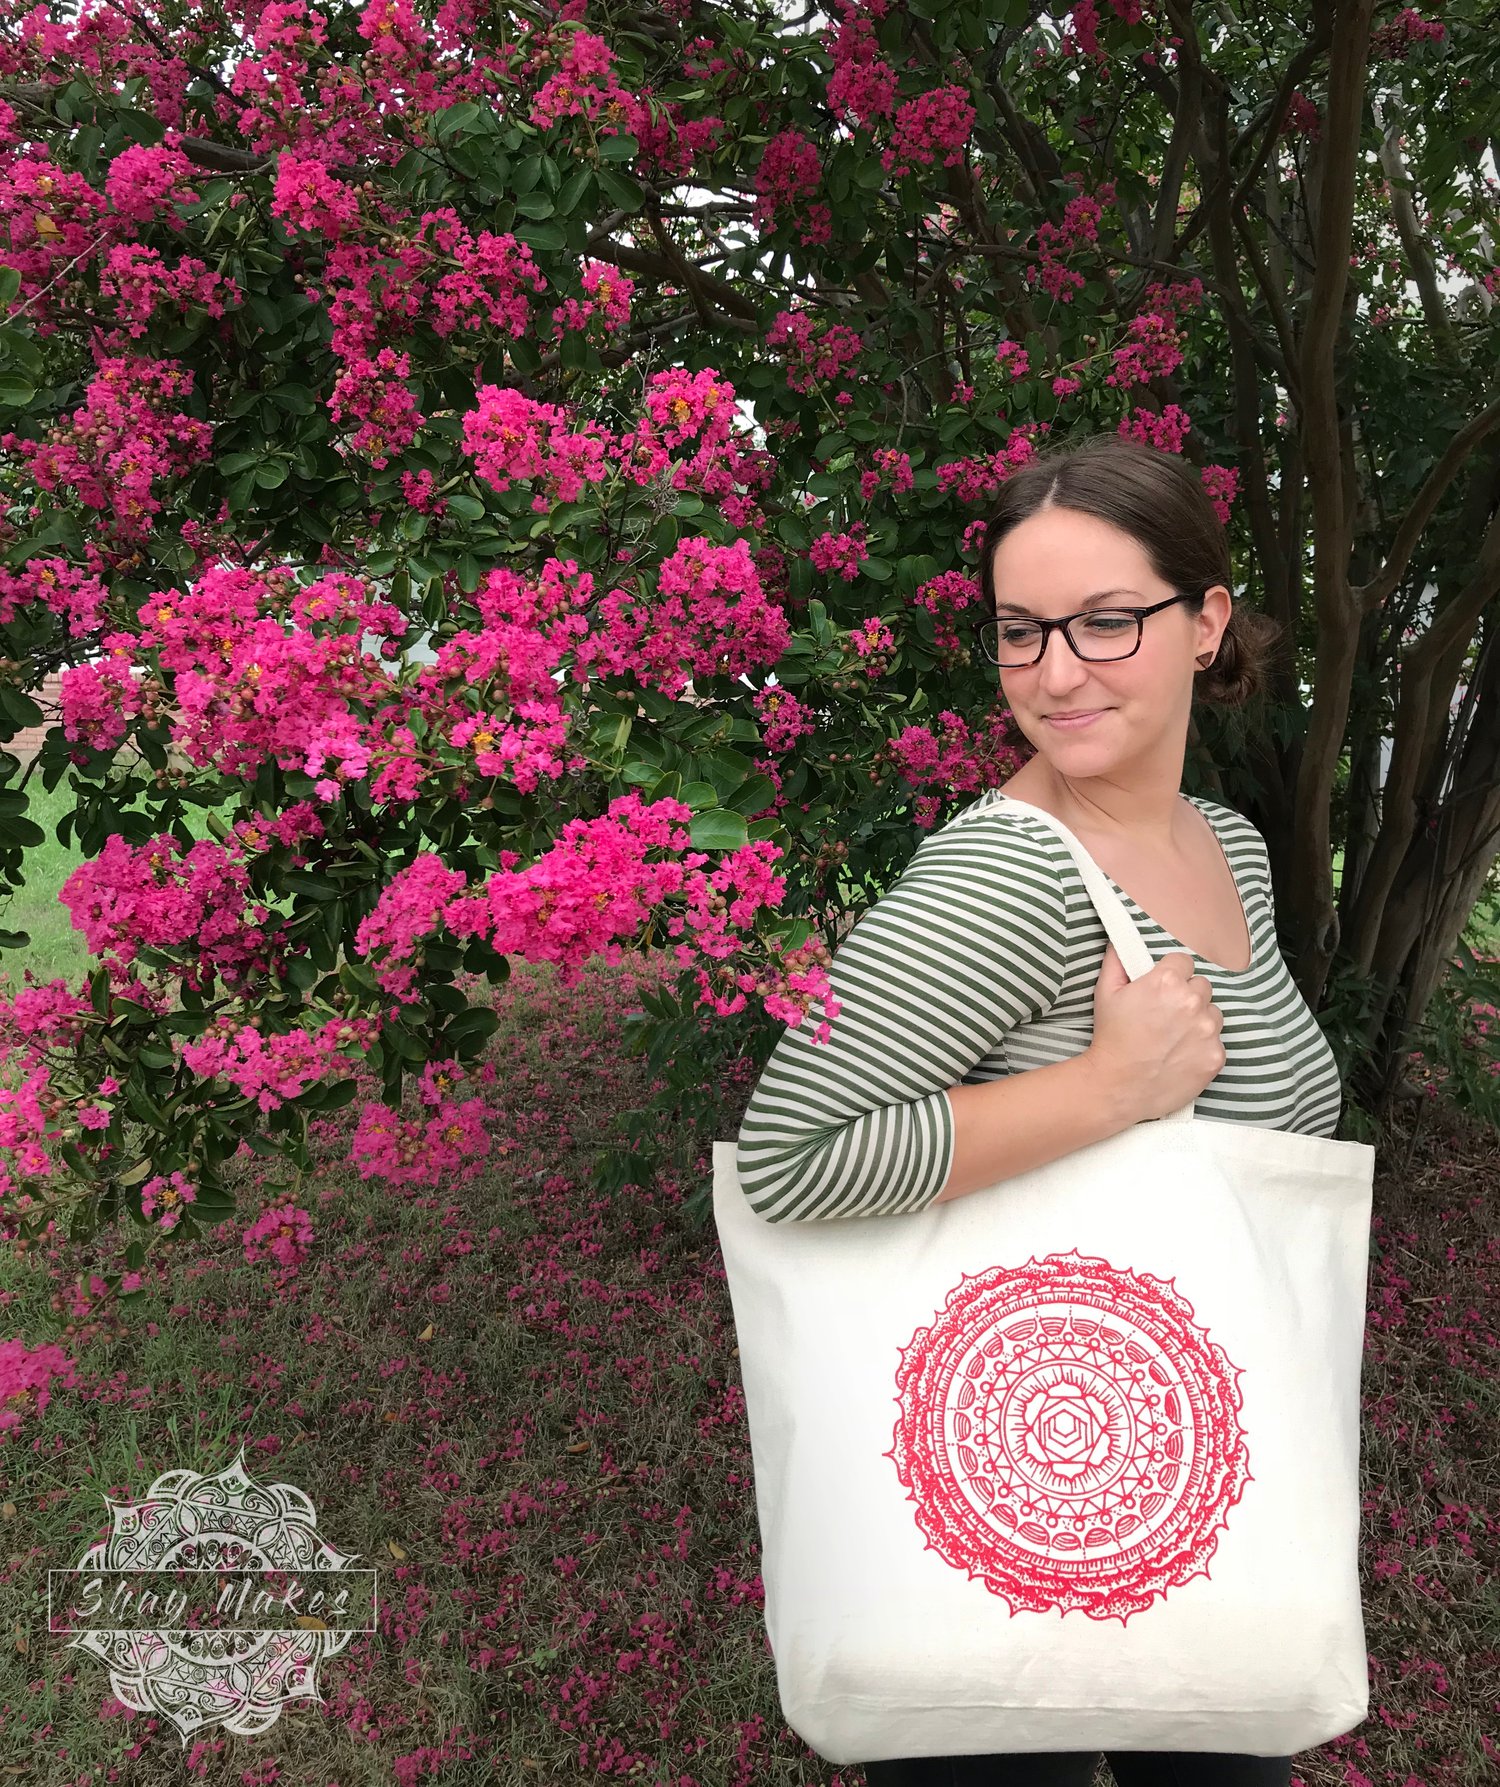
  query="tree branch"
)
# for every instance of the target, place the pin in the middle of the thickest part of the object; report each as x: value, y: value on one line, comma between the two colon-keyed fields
x: 1401, y: 183
x: 1299, y: 66
x: 1372, y: 594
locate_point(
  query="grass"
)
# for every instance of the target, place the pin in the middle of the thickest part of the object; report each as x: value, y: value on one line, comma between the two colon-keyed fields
x: 521, y: 1404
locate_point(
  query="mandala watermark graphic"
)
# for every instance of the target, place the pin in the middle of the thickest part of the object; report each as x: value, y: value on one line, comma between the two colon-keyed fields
x: 213, y: 1600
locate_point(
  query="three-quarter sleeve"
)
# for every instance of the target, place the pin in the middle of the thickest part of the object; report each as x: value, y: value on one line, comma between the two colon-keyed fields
x: 969, y: 941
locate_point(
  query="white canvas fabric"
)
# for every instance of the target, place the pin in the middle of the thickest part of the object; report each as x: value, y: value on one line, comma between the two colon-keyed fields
x: 1070, y: 1462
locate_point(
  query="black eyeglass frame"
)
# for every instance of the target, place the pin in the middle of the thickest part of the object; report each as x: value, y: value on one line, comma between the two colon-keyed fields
x: 1140, y: 615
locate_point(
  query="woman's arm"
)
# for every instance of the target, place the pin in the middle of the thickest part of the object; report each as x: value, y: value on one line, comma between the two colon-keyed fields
x: 970, y: 941
x: 1010, y: 1126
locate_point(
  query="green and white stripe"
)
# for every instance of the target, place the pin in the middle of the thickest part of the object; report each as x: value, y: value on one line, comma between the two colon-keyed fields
x: 980, y: 961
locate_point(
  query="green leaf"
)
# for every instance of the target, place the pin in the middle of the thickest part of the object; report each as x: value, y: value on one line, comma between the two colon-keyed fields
x: 620, y: 147
x: 304, y: 881
x: 15, y: 391
x: 717, y: 829
x: 471, y: 1030
x: 10, y: 284
x: 756, y: 795
x: 271, y: 475
x: 296, y: 400
x: 574, y: 195
x: 455, y: 119
x: 18, y: 706
x: 550, y: 237
x: 621, y: 190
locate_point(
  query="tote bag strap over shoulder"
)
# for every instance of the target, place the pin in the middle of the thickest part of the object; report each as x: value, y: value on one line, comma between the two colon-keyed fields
x: 1119, y: 926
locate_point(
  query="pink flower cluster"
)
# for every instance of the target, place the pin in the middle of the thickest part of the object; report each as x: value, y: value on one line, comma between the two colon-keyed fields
x: 309, y: 197
x: 1153, y: 349
x: 446, y: 1148
x: 249, y: 687
x: 73, y: 591
x: 890, y: 466
x: 840, y: 554
x: 1222, y: 482
x: 514, y: 438
x: 432, y: 269
x: 27, y: 1133
x: 585, y: 86
x: 1081, y: 35
x: 99, y: 700
x: 933, y: 127
x: 485, y: 287
x: 170, y: 1193
x: 510, y: 436
x: 373, y: 394
x: 976, y: 480
x: 783, y: 718
x: 1302, y: 118
x: 271, y: 1069
x: 709, y: 616
x: 1054, y: 241
x: 790, y: 171
x: 597, y: 884
x: 1166, y: 431
x: 873, y: 642
x: 863, y: 86
x: 191, y: 905
x: 144, y: 183
x: 1392, y: 42
x: 944, y: 597
x: 53, y: 219
x: 606, y: 300
x: 813, y: 352
x: 1013, y: 358
x: 282, y: 1232
x: 26, y: 1379
x: 956, y: 758
x: 141, y: 283
x: 409, y: 908
x: 126, y: 436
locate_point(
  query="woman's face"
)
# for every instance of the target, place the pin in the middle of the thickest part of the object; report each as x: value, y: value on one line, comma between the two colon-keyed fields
x: 1050, y: 565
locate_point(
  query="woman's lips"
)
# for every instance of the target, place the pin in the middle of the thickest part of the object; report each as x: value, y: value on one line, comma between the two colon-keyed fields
x: 1076, y: 725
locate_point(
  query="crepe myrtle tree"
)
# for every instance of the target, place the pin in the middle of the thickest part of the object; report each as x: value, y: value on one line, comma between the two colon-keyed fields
x: 506, y: 481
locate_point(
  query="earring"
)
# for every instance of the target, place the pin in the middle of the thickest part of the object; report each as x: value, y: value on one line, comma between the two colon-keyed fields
x: 1209, y: 660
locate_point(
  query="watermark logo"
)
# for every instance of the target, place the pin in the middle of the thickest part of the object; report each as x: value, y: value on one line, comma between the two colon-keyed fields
x: 213, y: 1600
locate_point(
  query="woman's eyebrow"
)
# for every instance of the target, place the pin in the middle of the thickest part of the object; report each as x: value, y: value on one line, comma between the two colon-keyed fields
x: 1088, y: 602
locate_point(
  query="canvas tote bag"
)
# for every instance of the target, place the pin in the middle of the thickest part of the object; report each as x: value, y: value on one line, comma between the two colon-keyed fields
x: 1071, y: 1462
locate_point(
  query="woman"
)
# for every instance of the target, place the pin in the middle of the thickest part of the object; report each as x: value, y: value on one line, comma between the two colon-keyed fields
x: 986, y: 1024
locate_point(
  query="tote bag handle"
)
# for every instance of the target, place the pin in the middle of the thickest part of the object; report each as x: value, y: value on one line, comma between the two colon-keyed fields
x: 1119, y: 926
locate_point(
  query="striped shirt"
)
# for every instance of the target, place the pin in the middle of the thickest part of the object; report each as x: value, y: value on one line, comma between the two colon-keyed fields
x: 978, y: 962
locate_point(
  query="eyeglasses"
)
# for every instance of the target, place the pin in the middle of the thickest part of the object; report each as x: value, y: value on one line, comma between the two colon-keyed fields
x: 1108, y: 633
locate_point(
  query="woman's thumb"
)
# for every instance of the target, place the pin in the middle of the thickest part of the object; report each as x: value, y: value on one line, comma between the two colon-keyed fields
x: 1111, y: 970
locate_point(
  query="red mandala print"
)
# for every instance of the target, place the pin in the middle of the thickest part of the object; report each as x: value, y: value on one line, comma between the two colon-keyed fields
x: 1070, y: 1436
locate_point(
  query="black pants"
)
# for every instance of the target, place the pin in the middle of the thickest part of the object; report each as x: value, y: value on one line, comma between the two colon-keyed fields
x: 1075, y: 1768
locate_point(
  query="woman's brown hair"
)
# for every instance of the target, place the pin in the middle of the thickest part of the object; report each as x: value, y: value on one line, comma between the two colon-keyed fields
x: 1159, y: 500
